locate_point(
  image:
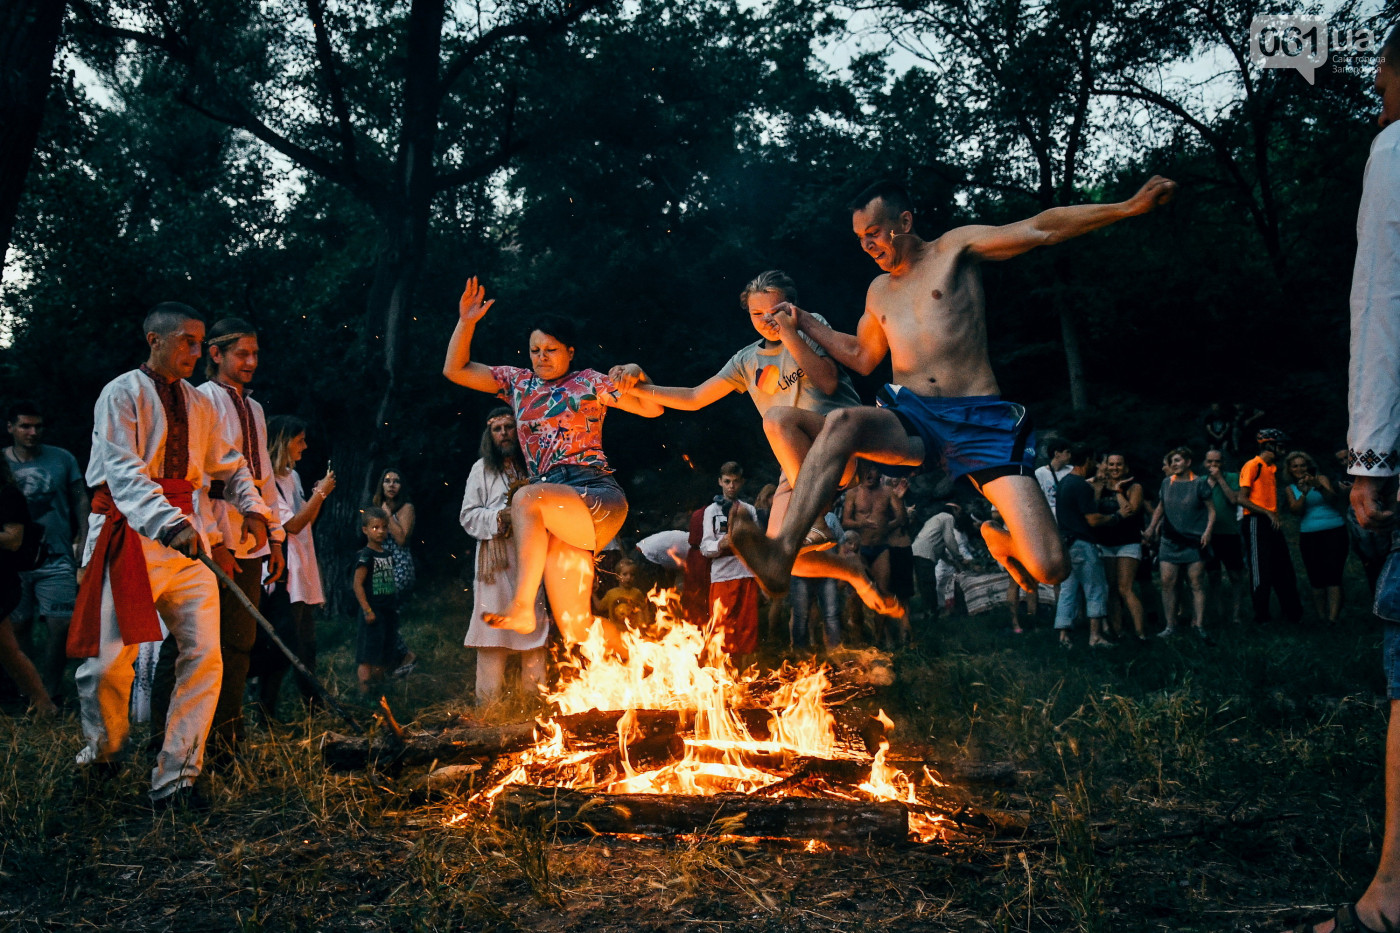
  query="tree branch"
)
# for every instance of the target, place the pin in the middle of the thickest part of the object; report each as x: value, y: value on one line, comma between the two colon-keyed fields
x: 525, y: 29
x: 326, y: 55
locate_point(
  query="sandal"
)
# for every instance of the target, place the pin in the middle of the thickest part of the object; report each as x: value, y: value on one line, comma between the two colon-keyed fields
x: 819, y: 538
x: 1344, y: 921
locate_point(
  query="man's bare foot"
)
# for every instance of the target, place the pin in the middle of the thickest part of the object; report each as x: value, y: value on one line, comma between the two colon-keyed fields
x: 876, y: 599
x: 764, y: 556
x: 1012, y: 566
x: 520, y: 619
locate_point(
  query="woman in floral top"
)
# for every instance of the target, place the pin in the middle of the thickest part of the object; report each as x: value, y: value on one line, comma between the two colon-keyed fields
x: 573, y: 506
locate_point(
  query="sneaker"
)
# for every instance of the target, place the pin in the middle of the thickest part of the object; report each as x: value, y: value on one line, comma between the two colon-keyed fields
x: 1167, y: 632
x: 1203, y: 635
x: 403, y: 670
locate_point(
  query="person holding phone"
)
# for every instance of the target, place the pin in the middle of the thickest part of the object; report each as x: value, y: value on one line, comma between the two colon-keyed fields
x: 1322, y: 531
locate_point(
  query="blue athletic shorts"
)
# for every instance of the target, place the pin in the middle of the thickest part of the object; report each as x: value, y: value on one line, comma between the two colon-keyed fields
x: 977, y: 436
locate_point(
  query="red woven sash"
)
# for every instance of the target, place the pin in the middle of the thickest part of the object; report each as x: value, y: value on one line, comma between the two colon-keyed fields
x: 118, y: 552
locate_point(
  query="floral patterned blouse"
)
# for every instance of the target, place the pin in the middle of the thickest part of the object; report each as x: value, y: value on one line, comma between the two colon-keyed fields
x: 559, y: 421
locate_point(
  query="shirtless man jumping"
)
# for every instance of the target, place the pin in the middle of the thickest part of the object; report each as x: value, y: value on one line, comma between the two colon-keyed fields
x: 927, y: 313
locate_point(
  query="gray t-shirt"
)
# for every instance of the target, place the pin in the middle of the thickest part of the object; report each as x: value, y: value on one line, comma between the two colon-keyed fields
x: 772, y: 377
x: 1184, y: 502
x: 45, y: 481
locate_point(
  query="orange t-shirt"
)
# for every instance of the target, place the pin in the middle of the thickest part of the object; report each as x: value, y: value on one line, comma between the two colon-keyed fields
x: 1262, y: 482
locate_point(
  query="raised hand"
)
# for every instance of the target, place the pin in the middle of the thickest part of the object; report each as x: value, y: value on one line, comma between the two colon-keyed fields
x: 473, y: 305
x: 1153, y: 194
x: 326, y: 486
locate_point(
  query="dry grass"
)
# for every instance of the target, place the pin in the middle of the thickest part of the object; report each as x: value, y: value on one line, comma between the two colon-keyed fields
x: 1175, y: 787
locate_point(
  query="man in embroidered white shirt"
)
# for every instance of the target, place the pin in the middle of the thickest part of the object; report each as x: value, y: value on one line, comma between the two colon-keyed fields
x: 1373, y: 441
x: 156, y: 446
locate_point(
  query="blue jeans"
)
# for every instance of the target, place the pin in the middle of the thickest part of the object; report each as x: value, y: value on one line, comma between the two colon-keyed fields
x: 1387, y: 607
x: 1085, y: 576
x: 828, y: 595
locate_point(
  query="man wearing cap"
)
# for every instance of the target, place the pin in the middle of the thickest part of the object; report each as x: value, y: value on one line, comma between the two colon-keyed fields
x: 1266, y: 555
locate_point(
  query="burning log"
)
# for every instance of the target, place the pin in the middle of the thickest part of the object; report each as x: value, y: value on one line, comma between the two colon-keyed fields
x: 350, y: 753
x: 838, y: 822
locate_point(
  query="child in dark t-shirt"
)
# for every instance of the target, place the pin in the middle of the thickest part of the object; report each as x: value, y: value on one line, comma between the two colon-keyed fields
x: 378, y: 596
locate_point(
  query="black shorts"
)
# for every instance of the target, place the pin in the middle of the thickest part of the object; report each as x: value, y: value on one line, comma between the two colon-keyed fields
x: 1324, y: 555
x: 1227, y: 552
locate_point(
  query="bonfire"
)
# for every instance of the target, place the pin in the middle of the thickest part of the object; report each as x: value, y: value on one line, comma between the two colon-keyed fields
x: 672, y: 740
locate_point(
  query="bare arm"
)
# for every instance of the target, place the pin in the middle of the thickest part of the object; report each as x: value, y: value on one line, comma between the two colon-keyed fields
x: 638, y: 385
x: 1210, y: 522
x: 312, y: 507
x: 861, y: 352
x: 362, y: 574
x: 1296, y: 504
x: 78, y: 507
x: 401, y: 522
x: 459, y: 366
x: 1157, y: 515
x: 1057, y: 224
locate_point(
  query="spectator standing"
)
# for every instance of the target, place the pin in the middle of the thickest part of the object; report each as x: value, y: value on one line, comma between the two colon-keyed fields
x: 935, y: 541
x: 1322, y: 531
x: 1120, y: 499
x: 624, y: 604
x: 825, y: 592
x: 485, y: 515
x: 1185, y: 518
x: 300, y: 593
x: 733, y: 589
x: 1218, y: 425
x: 1077, y: 513
x: 1261, y: 532
x: 1226, y: 557
x: 52, y: 484
x: 1048, y: 475
x: 14, y: 525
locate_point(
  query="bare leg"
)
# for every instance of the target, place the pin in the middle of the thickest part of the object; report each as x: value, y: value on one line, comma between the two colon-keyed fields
x: 872, y: 433
x: 1334, y: 603
x: 1170, y: 573
x: 1029, y: 547
x: 1115, y: 606
x: 1127, y: 572
x: 1379, y: 907
x: 1013, y: 602
x: 791, y: 432
x: 542, y: 511
x: 1196, y: 578
x: 23, y: 672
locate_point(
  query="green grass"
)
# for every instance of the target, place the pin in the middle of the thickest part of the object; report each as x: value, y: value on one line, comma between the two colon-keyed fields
x: 1177, y: 786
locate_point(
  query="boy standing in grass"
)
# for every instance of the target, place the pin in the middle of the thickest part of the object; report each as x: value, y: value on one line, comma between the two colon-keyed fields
x: 378, y: 596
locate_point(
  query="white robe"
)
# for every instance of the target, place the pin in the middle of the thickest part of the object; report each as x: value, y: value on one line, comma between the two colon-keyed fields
x: 128, y: 444
x: 229, y: 519
x: 484, y: 500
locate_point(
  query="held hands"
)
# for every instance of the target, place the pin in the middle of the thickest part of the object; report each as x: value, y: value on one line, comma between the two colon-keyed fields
x: 626, y: 376
x: 473, y: 305
x: 789, y: 318
x: 1156, y: 192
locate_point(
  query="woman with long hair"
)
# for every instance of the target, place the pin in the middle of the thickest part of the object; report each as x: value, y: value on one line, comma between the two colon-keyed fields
x: 300, y: 591
x: 1120, y: 540
x: 14, y: 516
x: 572, y: 506
x: 1322, y: 531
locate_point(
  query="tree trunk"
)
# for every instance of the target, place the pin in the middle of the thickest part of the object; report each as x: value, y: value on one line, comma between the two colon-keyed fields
x: 841, y: 822
x: 29, y: 32
x: 1074, y: 359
